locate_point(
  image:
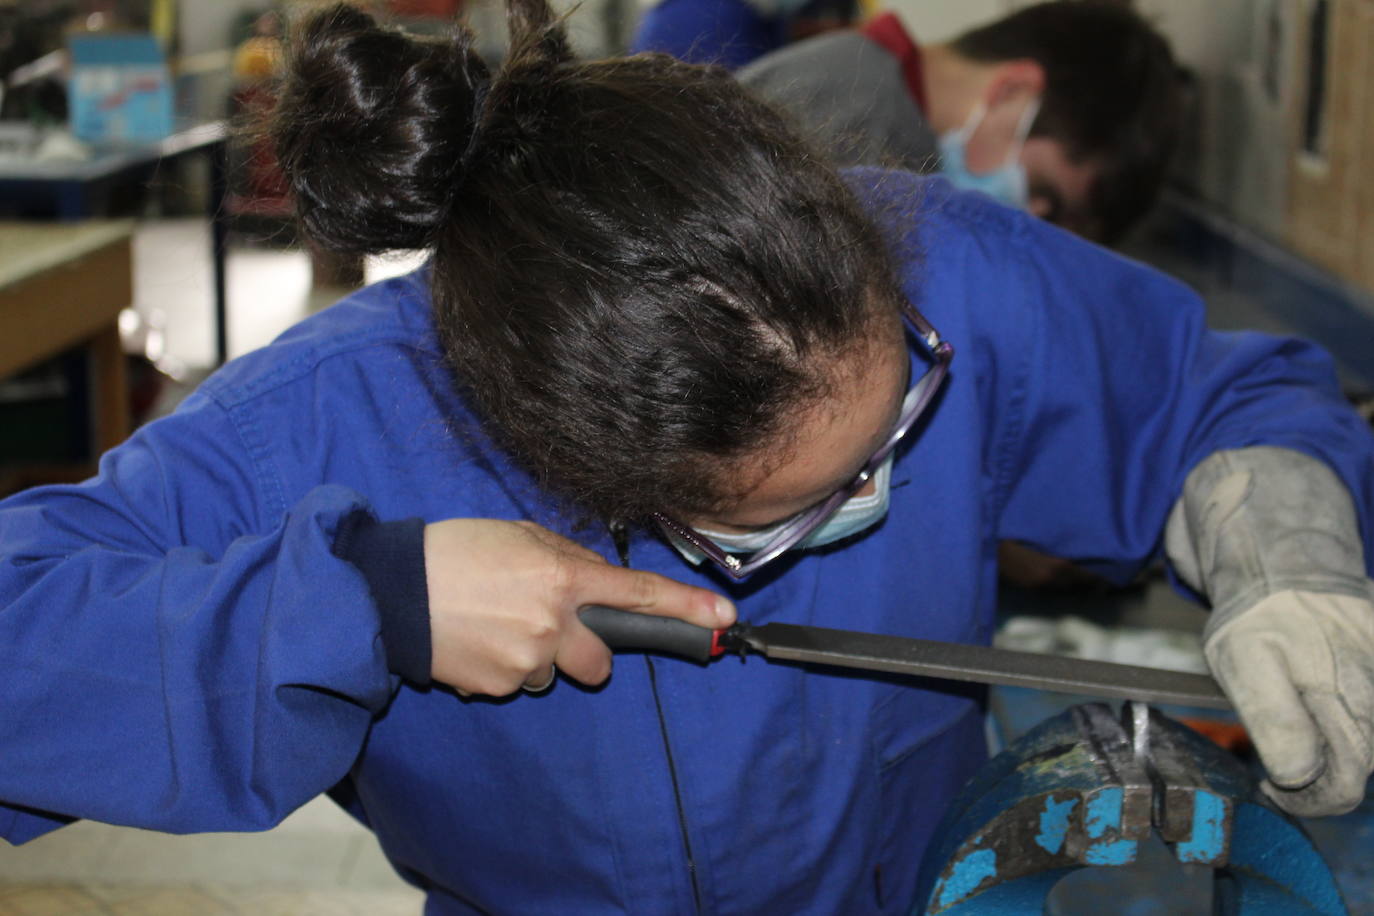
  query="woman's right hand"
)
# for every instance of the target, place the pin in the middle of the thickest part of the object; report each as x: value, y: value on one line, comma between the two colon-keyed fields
x: 504, y: 597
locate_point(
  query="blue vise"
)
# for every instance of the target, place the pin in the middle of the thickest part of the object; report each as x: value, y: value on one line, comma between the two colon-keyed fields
x: 1084, y: 788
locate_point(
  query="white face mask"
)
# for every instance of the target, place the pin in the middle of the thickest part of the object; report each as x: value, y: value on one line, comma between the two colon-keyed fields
x: 1007, y: 183
x: 853, y: 516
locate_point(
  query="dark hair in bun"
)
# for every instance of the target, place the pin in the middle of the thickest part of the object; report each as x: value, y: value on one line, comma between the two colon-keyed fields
x: 640, y: 274
x: 371, y: 128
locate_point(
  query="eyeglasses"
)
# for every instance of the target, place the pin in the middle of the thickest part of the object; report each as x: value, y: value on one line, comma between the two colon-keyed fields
x: 800, y: 526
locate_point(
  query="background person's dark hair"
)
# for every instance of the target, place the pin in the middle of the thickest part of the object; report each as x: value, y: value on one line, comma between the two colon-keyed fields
x: 639, y: 273
x: 1113, y: 95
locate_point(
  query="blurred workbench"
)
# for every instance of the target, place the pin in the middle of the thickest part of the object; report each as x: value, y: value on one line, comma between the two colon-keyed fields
x: 74, y: 190
x: 62, y: 286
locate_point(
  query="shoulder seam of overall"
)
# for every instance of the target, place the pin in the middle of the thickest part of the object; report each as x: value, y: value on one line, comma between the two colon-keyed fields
x: 266, y: 487
x: 236, y: 400
x: 974, y: 212
x: 935, y: 198
x: 264, y: 469
x: 234, y: 394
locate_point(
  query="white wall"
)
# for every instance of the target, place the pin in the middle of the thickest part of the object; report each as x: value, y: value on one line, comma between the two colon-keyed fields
x: 1241, y: 52
x: 937, y: 20
x: 204, y: 25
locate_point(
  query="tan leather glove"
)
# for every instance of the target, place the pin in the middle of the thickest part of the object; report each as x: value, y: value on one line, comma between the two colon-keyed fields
x: 1271, y: 537
x: 1299, y: 667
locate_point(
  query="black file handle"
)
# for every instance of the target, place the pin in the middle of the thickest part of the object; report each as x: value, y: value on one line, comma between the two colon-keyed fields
x: 647, y: 632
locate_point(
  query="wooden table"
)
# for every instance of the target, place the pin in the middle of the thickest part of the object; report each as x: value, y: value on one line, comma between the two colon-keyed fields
x: 77, y: 191
x: 63, y: 285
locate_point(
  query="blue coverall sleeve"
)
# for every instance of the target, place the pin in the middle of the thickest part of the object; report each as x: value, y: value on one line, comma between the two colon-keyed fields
x: 175, y: 657
x: 727, y: 33
x: 1118, y: 389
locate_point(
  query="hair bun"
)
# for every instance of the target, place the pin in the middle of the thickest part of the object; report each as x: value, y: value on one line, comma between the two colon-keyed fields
x: 370, y: 128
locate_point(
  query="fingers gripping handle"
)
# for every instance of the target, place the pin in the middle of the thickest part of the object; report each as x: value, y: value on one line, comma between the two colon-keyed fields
x: 649, y: 633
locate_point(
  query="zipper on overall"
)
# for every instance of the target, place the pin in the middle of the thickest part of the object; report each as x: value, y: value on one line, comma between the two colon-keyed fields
x: 621, y: 536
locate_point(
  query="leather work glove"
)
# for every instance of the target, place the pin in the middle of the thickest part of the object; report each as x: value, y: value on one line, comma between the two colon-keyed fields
x: 1271, y: 537
x: 1299, y: 667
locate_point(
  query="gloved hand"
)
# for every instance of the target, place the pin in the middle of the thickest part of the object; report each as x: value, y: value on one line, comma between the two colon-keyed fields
x: 1272, y: 538
x: 1299, y: 667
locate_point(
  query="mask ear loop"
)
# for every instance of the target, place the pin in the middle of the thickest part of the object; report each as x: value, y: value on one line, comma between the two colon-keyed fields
x: 1023, y: 128
x: 972, y: 122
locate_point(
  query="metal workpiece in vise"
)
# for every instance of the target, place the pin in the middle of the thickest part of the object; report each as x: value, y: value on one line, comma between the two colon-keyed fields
x: 1085, y: 787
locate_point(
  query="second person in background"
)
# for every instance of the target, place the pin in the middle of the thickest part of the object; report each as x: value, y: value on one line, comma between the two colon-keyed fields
x: 1071, y: 109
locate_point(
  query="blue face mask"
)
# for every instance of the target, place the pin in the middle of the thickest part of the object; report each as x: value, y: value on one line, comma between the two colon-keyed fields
x: 854, y: 516
x: 1007, y: 183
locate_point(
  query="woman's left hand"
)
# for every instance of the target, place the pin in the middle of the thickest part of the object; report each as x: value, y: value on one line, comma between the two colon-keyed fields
x: 1299, y: 667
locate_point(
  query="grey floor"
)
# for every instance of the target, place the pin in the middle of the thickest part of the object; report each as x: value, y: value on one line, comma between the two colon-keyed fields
x: 318, y: 862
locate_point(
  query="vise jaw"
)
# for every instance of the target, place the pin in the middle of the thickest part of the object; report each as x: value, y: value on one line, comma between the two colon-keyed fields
x: 1085, y: 787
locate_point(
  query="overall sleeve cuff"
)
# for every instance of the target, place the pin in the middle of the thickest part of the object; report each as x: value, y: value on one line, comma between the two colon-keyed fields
x: 391, y: 557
